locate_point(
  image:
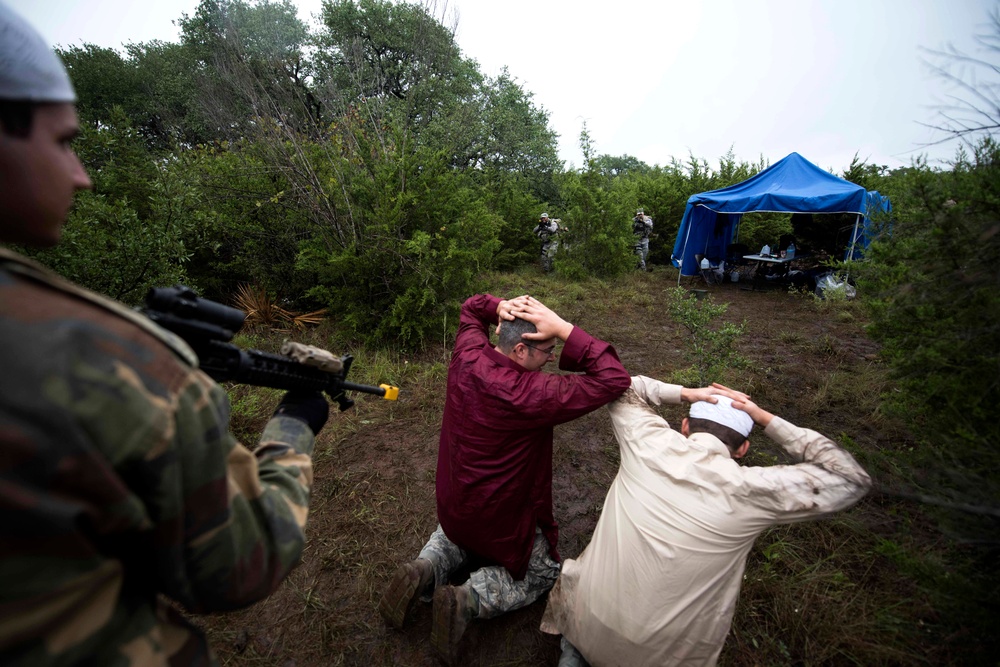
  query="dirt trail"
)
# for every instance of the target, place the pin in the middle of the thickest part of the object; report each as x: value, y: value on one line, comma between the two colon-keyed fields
x: 374, y: 507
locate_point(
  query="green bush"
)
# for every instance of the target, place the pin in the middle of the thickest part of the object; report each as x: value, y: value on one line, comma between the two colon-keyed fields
x: 135, y: 229
x: 599, y: 221
x: 710, y: 345
x: 933, y: 294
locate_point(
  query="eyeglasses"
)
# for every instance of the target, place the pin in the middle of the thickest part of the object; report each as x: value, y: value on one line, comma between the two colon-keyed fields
x: 544, y: 350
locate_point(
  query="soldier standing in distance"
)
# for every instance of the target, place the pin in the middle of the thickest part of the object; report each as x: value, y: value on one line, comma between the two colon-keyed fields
x: 546, y: 231
x: 120, y: 483
x: 642, y: 226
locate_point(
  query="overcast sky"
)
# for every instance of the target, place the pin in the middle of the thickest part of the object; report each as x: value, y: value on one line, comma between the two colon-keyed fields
x: 657, y: 79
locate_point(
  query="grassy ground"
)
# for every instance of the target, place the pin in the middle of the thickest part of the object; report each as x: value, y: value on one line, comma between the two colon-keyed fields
x: 877, y: 585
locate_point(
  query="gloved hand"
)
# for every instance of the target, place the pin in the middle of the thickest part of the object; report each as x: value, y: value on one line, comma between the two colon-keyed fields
x: 308, y: 406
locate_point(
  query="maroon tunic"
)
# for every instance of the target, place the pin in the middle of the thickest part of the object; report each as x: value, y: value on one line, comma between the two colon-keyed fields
x: 494, y: 474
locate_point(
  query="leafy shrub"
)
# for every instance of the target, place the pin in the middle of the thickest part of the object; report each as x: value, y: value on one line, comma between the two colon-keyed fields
x: 711, y: 347
x: 933, y: 295
x: 135, y: 230
x: 599, y: 221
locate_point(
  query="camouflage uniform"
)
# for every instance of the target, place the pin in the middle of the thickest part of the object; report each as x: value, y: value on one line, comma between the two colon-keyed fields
x: 546, y: 233
x: 121, y: 484
x: 642, y: 225
x: 496, y: 590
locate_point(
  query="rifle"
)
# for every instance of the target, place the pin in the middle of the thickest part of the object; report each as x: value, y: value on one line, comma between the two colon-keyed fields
x: 208, y: 326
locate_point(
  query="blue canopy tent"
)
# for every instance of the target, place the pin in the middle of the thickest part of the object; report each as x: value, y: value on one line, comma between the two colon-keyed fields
x: 793, y: 185
x: 863, y: 234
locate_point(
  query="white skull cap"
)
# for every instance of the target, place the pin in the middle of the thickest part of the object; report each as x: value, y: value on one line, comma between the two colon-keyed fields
x: 723, y: 413
x: 29, y: 69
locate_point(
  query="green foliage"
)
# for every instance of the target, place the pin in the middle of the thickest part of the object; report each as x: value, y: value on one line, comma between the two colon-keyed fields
x: 133, y: 231
x: 599, y: 240
x: 757, y: 228
x: 247, y: 62
x: 518, y: 139
x: 868, y: 176
x: 663, y: 193
x: 378, y: 49
x: 518, y: 212
x: 710, y: 345
x: 253, y: 222
x: 152, y: 85
x: 514, y: 139
x: 933, y: 294
x: 612, y: 166
x: 103, y: 80
x: 413, y: 260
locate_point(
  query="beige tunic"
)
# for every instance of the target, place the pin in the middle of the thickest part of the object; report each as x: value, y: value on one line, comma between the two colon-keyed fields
x: 658, y: 583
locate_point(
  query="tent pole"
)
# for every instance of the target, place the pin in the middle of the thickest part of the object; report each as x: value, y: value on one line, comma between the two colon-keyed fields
x: 680, y: 269
x: 854, y: 238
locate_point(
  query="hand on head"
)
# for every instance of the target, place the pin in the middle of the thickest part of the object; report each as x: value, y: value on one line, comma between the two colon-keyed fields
x: 548, y: 324
x: 741, y: 401
x: 709, y: 393
x: 505, y: 307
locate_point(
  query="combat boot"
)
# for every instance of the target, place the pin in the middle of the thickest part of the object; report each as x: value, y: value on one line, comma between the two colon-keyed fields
x: 454, y: 607
x: 408, y: 582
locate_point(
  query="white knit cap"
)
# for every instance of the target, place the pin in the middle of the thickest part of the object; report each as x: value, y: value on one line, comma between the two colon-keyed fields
x: 723, y: 413
x: 29, y: 69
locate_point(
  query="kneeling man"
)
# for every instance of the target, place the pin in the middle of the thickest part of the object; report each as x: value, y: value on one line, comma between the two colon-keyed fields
x: 658, y: 583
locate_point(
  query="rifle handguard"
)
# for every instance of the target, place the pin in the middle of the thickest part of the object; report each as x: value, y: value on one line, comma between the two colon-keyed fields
x: 309, y: 355
x: 312, y: 356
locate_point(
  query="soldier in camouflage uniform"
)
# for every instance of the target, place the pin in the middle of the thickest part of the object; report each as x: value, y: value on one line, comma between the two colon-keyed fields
x: 546, y: 231
x: 642, y: 226
x: 120, y: 484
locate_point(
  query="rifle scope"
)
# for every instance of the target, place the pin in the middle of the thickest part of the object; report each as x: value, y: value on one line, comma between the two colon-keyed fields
x: 183, y: 302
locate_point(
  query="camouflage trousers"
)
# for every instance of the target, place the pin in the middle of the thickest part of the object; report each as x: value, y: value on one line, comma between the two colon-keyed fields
x: 548, y: 254
x: 641, y: 248
x: 498, y: 592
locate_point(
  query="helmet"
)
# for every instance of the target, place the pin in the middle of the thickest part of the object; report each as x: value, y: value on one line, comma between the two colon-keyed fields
x: 639, y: 212
x: 544, y: 215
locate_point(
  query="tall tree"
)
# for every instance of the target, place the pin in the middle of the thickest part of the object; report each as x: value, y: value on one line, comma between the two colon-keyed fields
x: 152, y: 83
x: 598, y: 220
x: 620, y: 165
x: 377, y: 49
x: 251, y: 64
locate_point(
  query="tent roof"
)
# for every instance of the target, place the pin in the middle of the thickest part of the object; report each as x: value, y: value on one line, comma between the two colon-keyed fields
x: 791, y: 185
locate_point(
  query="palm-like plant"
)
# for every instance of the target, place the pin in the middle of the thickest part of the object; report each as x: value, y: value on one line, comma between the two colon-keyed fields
x: 263, y: 310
